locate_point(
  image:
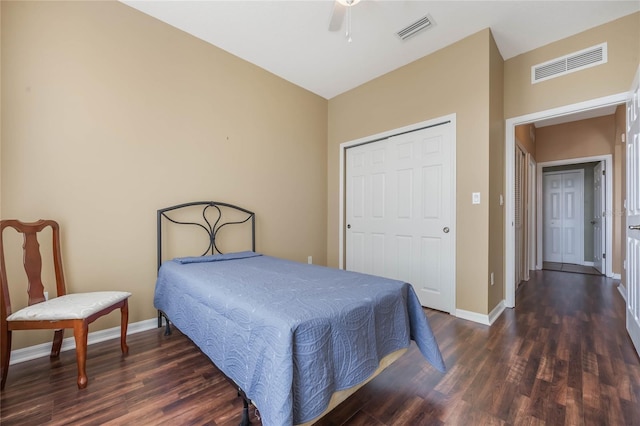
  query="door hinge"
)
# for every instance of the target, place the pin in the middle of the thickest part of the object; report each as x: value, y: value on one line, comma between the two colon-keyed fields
x: 604, y: 255
x: 603, y: 173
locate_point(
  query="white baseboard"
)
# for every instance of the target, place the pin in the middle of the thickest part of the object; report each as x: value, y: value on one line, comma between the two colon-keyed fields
x: 44, y: 349
x: 623, y: 291
x: 496, y: 312
x: 587, y: 263
x: 481, y: 318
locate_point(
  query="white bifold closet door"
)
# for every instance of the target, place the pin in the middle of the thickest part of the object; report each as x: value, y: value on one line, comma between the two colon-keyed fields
x: 398, y: 212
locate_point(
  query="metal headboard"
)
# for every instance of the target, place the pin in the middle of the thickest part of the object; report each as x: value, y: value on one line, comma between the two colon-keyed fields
x: 211, y: 229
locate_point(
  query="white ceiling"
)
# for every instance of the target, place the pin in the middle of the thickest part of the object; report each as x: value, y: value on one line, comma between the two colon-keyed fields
x: 291, y: 38
x: 582, y: 115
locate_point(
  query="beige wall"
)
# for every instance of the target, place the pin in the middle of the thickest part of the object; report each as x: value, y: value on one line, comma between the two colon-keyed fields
x: 452, y: 80
x: 496, y: 176
x: 619, y: 191
x: 114, y: 114
x: 110, y: 114
x: 526, y: 137
x: 623, y: 38
x: 584, y: 138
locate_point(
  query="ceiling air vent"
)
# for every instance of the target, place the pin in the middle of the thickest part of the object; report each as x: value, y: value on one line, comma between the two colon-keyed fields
x: 413, y: 29
x: 577, y: 61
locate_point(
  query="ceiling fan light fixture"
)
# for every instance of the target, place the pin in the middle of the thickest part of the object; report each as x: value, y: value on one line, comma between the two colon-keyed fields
x: 348, y: 3
x: 340, y: 9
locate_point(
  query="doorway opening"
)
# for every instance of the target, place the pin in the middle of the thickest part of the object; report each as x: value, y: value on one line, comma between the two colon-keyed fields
x: 596, y: 228
x: 575, y: 233
x: 582, y: 108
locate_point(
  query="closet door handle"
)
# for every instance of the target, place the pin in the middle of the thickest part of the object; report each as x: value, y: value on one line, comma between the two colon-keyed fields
x: 634, y: 227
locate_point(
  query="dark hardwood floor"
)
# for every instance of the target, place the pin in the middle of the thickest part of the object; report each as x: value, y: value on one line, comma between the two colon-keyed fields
x: 562, y: 357
x: 570, y: 267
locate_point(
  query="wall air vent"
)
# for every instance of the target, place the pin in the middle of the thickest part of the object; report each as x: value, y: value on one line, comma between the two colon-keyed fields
x: 567, y: 64
x: 413, y: 29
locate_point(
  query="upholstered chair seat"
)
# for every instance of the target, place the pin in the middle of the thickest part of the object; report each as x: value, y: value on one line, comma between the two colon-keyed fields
x: 69, y: 306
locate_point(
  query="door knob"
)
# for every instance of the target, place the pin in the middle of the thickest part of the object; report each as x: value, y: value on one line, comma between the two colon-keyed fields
x: 634, y: 227
x: 445, y: 230
x: 349, y: 226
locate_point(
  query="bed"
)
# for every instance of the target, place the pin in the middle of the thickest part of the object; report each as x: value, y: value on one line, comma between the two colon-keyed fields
x: 296, y: 339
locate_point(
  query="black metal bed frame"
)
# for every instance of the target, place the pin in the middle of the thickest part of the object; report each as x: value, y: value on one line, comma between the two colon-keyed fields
x: 212, y: 231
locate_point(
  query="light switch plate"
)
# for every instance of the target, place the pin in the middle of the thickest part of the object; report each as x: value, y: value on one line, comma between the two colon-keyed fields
x: 475, y: 198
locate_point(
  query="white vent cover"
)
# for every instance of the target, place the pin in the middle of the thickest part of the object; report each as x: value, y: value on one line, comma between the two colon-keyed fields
x: 567, y: 64
x: 414, y: 28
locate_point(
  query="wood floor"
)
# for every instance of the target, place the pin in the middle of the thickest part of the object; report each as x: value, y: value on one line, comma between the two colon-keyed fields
x: 562, y: 357
x: 570, y: 267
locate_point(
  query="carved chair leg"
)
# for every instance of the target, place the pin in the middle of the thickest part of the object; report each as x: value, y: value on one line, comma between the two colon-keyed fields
x: 5, y: 352
x: 58, y: 335
x: 80, y: 333
x: 124, y: 322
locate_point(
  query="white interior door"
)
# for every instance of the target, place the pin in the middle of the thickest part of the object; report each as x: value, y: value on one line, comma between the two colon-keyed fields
x: 399, y: 212
x: 633, y: 214
x: 597, y: 217
x: 563, y: 217
x: 552, y: 218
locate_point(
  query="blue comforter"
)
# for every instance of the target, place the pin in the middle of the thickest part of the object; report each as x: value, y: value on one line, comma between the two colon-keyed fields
x: 291, y: 334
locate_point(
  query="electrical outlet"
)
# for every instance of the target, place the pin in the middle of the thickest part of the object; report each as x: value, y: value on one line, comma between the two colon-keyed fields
x: 310, y: 260
x: 492, y: 279
x: 46, y: 295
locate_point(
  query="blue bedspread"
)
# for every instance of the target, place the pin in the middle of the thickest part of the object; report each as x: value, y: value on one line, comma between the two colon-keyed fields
x: 290, y: 334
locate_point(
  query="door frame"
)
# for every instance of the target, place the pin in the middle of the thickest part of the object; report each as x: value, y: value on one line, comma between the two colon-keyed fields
x: 608, y: 227
x: 511, y: 123
x: 540, y: 206
x: 603, y: 204
x: 525, y: 216
x: 383, y: 135
x: 532, y: 262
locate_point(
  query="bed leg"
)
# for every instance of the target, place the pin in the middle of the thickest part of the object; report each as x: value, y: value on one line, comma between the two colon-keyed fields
x: 167, y: 329
x: 245, y: 409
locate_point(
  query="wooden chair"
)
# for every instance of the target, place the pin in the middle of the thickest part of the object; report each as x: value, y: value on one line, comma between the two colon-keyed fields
x: 74, y: 311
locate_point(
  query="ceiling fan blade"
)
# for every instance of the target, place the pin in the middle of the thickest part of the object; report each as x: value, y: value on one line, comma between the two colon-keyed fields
x: 337, y: 16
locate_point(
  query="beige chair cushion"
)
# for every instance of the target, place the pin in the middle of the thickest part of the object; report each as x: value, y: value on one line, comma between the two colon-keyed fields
x: 70, y: 306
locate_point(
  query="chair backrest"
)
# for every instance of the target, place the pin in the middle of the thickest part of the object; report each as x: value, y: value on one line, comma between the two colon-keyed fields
x: 32, y: 260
